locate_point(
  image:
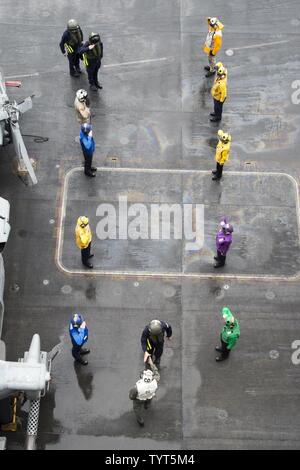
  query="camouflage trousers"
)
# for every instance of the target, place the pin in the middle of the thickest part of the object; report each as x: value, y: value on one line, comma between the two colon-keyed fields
x: 212, y: 62
x: 139, y: 406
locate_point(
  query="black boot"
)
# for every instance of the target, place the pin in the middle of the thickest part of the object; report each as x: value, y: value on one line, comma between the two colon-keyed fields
x: 93, y: 88
x: 218, y: 265
x: 94, y: 169
x: 84, y: 351
x: 215, y: 119
x: 98, y: 85
x: 81, y: 361
x: 88, y: 265
x: 74, y: 74
x: 220, y: 358
x: 214, y: 172
x: 210, y: 74
x: 215, y: 178
x: 140, y: 421
x: 218, y: 349
x: 91, y: 256
x: 90, y: 174
x: 207, y: 68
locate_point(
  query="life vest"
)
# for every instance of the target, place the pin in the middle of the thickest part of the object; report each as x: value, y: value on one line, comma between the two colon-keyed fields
x: 75, y: 39
x: 93, y: 54
x: 146, y: 390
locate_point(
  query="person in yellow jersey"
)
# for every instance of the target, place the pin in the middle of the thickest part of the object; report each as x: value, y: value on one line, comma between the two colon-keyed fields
x: 222, y: 153
x: 83, y: 236
x: 213, y: 43
x: 219, y: 93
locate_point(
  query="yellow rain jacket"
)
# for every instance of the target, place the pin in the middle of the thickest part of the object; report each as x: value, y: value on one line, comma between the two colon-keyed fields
x: 83, y: 235
x: 213, y: 42
x: 219, y: 88
x: 222, y: 152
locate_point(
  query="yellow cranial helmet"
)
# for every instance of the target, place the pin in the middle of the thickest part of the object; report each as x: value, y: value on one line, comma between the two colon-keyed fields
x: 221, y: 70
x: 224, y: 136
x: 83, y: 221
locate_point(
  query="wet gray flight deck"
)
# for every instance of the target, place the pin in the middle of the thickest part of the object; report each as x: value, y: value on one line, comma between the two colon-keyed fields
x: 153, y: 114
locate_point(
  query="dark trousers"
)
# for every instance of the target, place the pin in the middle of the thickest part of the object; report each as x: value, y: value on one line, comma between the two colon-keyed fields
x: 92, y: 71
x: 157, y: 350
x: 139, y: 406
x: 85, y: 254
x: 88, y: 160
x: 218, y: 109
x: 73, y: 63
x: 225, y: 352
x: 219, y: 170
x: 221, y: 258
x: 76, y: 352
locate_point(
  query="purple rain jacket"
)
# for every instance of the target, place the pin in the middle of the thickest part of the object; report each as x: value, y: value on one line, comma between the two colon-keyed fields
x: 223, y: 241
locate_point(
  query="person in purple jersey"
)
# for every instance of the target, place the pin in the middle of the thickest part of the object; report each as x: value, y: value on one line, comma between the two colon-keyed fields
x: 223, y: 242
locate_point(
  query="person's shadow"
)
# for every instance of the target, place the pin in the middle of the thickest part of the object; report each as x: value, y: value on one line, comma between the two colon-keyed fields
x: 85, y: 379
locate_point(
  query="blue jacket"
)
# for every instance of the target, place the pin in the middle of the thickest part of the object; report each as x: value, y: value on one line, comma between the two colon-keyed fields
x: 166, y: 328
x: 87, y: 144
x: 78, y: 336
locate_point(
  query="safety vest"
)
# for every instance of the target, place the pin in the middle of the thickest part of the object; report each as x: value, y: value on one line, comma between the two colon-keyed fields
x: 146, y: 390
x: 92, y: 54
x: 75, y: 40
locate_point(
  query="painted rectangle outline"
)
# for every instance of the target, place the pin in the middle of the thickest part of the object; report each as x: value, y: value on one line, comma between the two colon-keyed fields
x: 165, y: 275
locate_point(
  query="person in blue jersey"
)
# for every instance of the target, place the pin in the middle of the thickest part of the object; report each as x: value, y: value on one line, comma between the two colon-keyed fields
x: 88, y: 147
x: 79, y: 335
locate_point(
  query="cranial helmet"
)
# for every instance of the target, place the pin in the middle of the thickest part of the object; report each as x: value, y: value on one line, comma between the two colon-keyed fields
x: 81, y: 95
x: 77, y: 320
x: 222, y: 71
x: 213, y: 21
x: 155, y: 327
x: 228, y: 228
x: 223, y: 221
x: 94, y: 38
x: 73, y: 25
x: 86, y: 128
x: 83, y: 221
x: 224, y: 136
x: 225, y: 225
x: 227, y: 315
x: 147, y: 376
